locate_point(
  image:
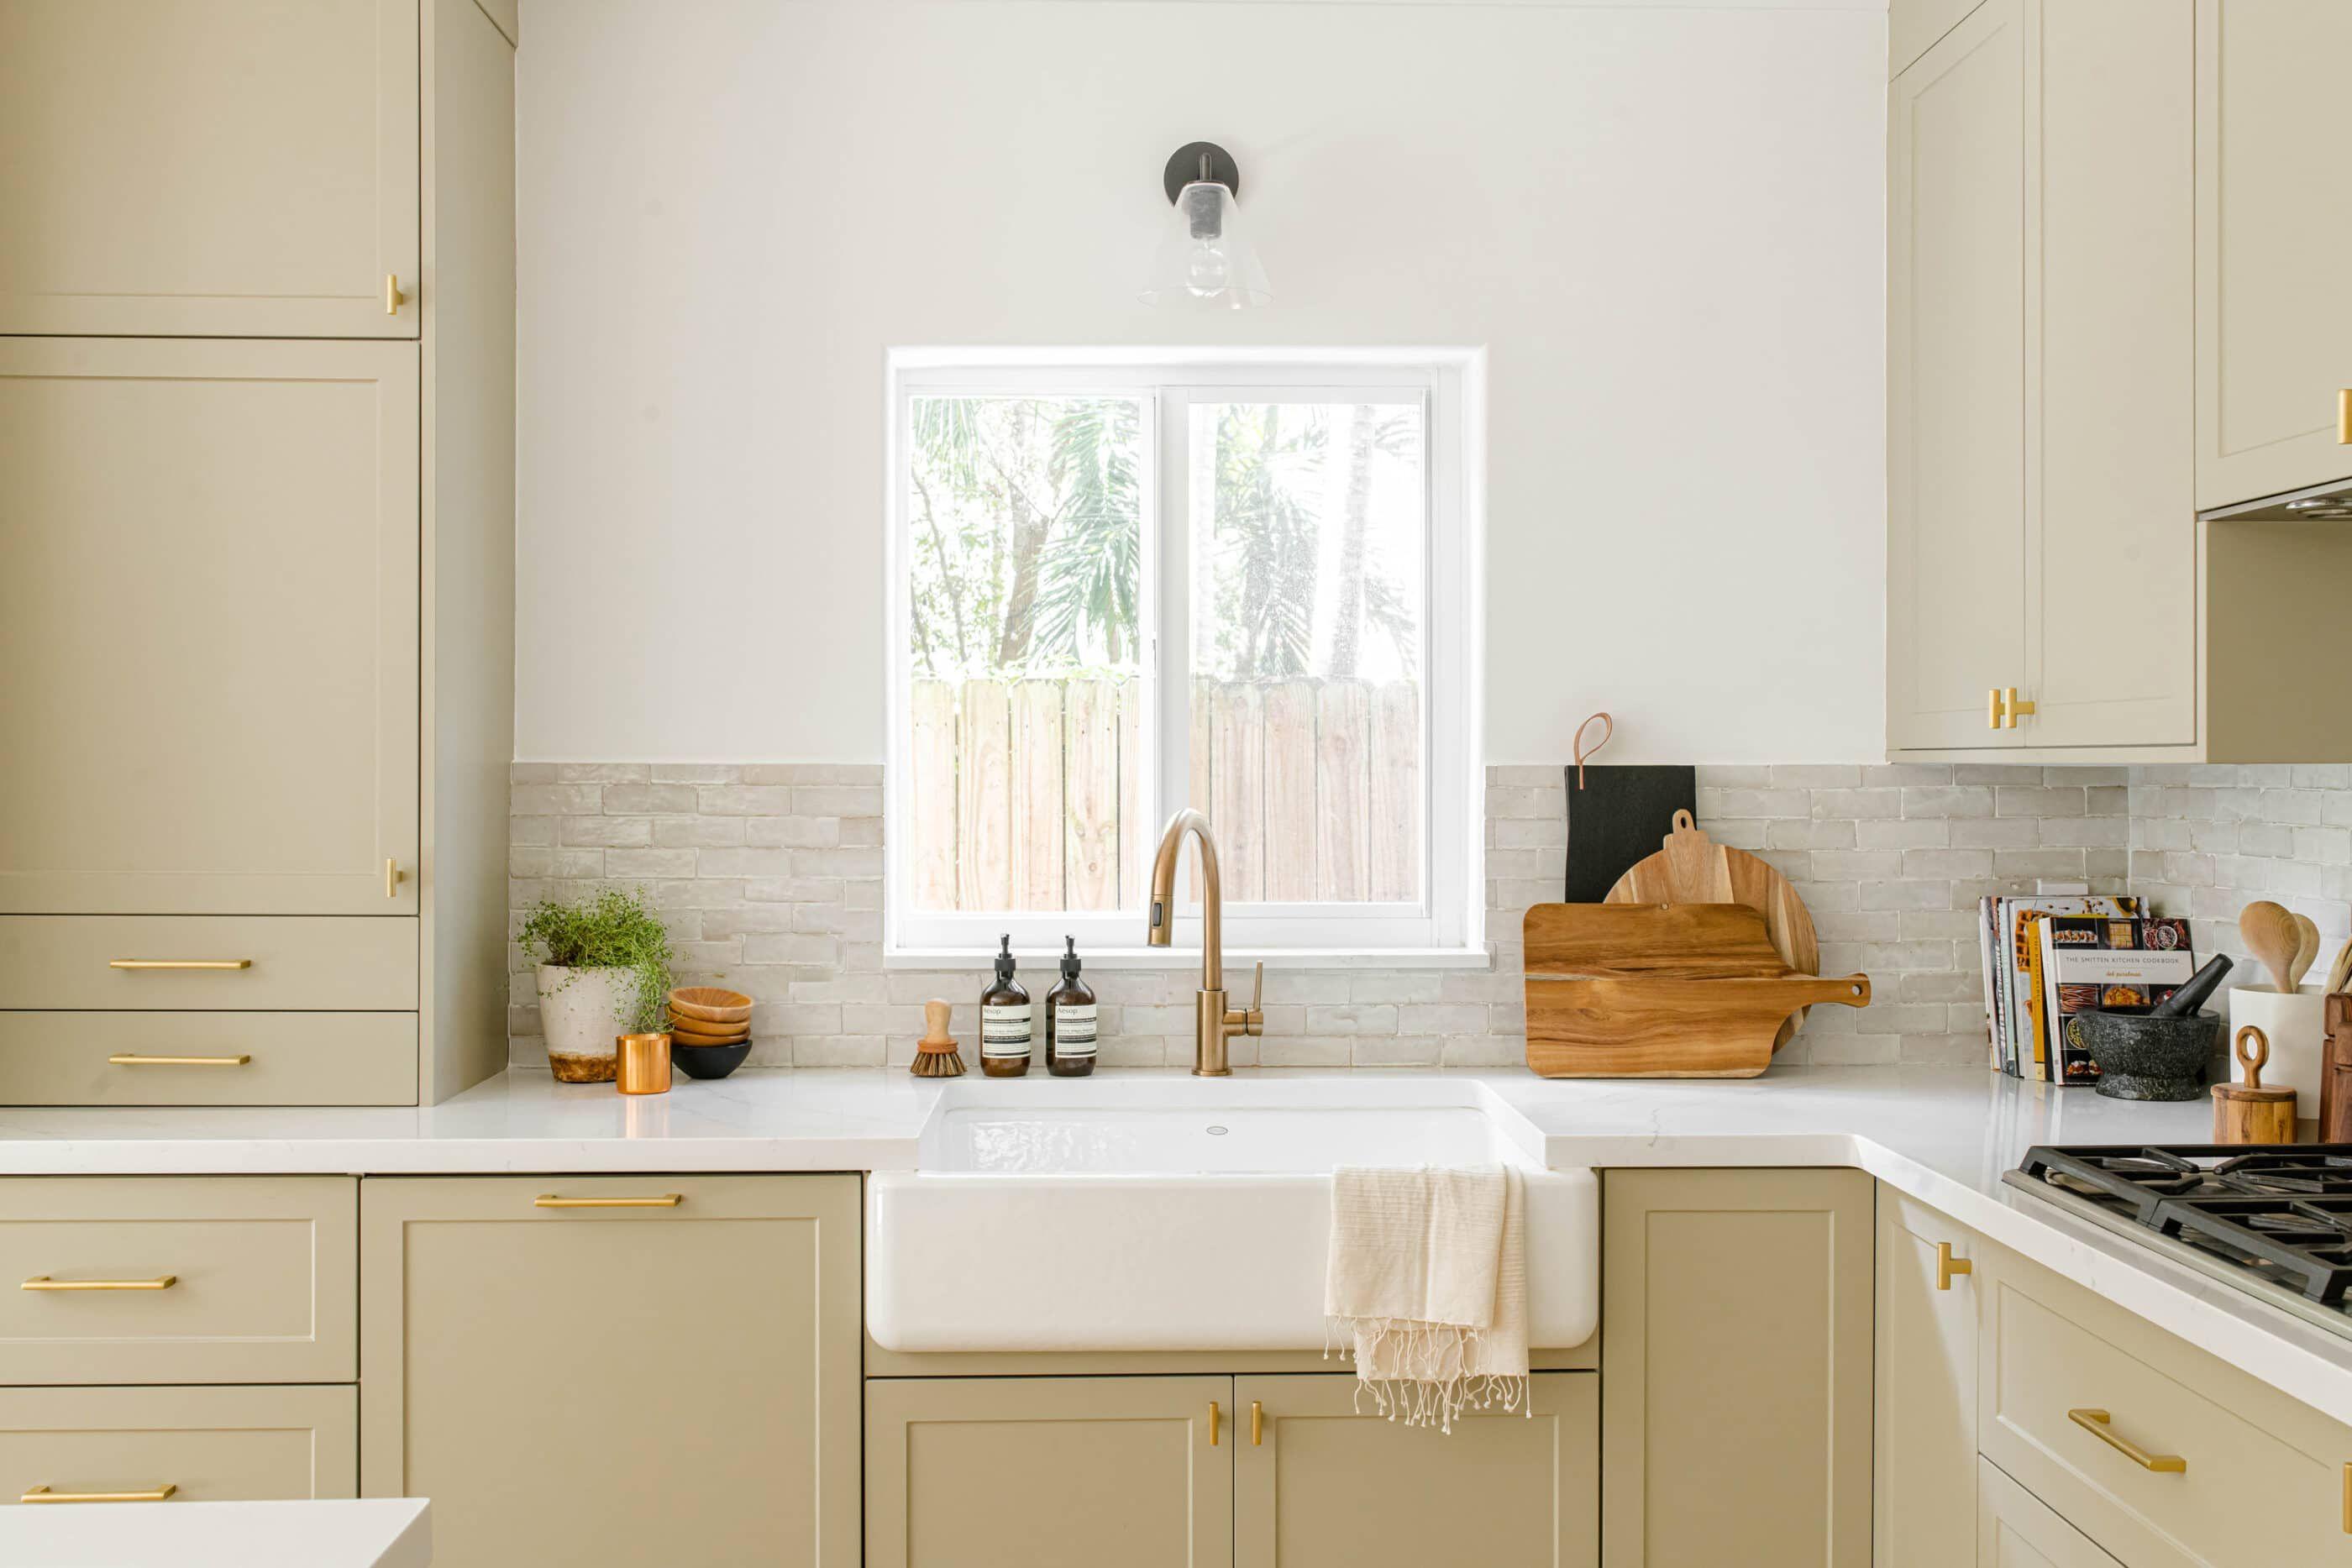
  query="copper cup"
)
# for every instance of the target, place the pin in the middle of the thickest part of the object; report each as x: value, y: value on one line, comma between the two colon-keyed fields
x: 645, y: 1064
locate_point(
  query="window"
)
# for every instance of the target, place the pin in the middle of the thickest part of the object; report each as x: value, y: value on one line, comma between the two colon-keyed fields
x: 1118, y: 587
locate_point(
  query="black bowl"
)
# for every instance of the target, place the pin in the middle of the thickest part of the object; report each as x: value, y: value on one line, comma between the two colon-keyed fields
x: 708, y: 1060
x: 2143, y: 1057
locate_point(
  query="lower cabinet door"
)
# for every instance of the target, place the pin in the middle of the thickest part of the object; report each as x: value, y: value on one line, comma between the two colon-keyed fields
x: 1736, y: 1368
x: 178, y: 1445
x: 599, y: 1371
x: 1050, y: 1472
x: 2015, y: 1531
x: 1319, y: 1484
x: 1925, y: 1491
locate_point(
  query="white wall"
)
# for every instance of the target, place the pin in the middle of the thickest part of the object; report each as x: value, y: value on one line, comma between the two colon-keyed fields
x: 1665, y: 222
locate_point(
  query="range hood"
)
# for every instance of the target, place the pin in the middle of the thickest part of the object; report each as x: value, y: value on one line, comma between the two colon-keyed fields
x: 2328, y: 503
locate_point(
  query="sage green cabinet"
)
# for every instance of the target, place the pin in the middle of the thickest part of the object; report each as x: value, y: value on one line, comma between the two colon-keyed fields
x: 2274, y: 317
x: 1050, y: 1472
x: 1925, y: 1433
x: 1215, y: 1471
x: 1321, y: 1479
x: 2041, y: 350
x: 226, y: 168
x: 614, y: 1370
x: 1736, y: 1368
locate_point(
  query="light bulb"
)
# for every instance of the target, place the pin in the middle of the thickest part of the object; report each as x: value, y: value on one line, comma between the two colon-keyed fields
x: 1206, y: 269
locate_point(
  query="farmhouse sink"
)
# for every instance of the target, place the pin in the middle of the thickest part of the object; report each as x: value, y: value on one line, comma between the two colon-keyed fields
x: 1179, y: 1214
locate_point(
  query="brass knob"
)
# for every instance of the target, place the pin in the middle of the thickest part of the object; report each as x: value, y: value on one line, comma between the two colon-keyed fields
x: 1257, y: 1422
x: 1992, y: 707
x: 392, y: 294
x: 2344, y: 417
x: 1213, y: 1423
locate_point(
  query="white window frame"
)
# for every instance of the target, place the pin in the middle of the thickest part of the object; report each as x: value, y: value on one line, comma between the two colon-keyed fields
x: 1445, y: 926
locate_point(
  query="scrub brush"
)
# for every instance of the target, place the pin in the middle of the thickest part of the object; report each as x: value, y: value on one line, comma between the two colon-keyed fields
x: 935, y: 1054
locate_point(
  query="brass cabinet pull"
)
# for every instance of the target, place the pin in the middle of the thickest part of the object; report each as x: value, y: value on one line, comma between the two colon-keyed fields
x: 391, y: 877
x: 1257, y: 1422
x: 42, y: 1494
x: 2344, y: 438
x: 392, y: 294
x: 179, y: 963
x: 2013, y: 708
x: 1992, y: 707
x: 133, y: 1058
x: 43, y: 1282
x: 2348, y: 1499
x: 2095, y: 1422
x: 667, y: 1200
x: 1947, y: 1265
x: 1212, y: 1440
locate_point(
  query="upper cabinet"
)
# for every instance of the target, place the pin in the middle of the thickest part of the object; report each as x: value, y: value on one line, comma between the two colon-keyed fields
x: 2275, y: 319
x: 209, y: 168
x: 2039, y: 349
x: 2051, y: 593
x: 1956, y: 391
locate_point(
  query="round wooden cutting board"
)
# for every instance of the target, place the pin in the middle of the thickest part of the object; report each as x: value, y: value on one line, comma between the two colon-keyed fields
x: 1694, y: 869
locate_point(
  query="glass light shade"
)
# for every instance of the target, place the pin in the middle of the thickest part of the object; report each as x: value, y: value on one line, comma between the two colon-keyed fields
x: 1205, y: 260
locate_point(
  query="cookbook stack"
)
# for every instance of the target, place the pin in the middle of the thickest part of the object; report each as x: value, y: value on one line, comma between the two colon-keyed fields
x: 2048, y: 956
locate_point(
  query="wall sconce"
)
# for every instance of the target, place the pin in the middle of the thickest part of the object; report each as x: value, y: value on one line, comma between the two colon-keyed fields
x: 1205, y: 260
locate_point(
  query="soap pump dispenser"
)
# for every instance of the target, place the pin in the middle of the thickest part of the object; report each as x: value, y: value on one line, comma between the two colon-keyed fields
x: 1004, y: 1023
x: 1070, y: 1020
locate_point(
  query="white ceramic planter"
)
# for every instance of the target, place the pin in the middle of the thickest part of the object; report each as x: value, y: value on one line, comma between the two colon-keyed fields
x: 583, y: 1013
x: 2296, y: 1030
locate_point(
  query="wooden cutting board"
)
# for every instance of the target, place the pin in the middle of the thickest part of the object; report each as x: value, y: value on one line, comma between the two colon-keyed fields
x: 1686, y: 990
x: 1693, y: 869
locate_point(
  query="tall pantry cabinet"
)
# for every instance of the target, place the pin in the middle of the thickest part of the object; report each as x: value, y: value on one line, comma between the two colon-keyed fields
x: 257, y: 373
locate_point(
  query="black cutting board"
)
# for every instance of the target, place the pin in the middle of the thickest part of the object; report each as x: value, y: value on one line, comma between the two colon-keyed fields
x: 1618, y: 816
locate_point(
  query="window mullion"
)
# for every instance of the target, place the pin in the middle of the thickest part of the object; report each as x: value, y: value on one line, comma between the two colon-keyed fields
x: 1173, y: 662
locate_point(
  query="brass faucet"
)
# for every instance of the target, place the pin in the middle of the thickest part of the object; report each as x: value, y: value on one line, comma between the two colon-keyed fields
x: 1213, y: 1022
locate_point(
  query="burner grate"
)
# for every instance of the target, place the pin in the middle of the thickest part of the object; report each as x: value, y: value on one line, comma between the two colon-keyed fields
x: 2281, y: 1211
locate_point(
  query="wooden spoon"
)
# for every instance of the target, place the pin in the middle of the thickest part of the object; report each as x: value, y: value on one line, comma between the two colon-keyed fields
x: 2271, y: 936
x: 2306, y: 951
x: 2339, y: 973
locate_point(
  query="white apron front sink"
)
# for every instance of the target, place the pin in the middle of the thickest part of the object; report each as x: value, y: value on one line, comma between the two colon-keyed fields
x: 1179, y: 1214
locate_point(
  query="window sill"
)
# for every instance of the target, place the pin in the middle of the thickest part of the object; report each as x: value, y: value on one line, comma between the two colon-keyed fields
x: 1188, y: 959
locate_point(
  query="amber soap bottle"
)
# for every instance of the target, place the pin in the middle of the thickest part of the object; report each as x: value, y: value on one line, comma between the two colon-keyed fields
x: 1070, y: 1028
x: 1005, y: 1022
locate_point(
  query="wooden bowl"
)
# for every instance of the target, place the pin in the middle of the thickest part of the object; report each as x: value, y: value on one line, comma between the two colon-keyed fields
x: 712, y: 1004
x: 692, y: 1032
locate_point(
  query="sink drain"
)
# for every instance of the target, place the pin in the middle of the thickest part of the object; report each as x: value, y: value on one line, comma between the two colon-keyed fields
x: 1216, y: 1132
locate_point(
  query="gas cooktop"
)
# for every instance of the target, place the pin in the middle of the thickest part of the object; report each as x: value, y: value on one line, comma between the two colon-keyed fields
x: 2274, y: 1219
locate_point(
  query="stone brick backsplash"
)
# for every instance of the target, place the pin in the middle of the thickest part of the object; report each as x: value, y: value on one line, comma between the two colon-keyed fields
x: 770, y: 879
x: 2207, y: 840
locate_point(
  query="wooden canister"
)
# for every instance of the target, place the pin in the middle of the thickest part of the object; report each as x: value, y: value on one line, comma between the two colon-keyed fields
x: 2247, y: 1113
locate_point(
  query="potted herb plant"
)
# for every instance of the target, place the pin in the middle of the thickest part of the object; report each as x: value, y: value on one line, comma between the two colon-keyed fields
x: 603, y: 971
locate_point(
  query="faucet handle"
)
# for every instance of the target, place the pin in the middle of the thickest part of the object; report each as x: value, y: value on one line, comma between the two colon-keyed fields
x: 1254, y: 1021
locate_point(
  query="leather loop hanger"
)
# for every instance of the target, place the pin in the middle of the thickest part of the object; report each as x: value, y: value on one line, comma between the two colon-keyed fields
x: 1608, y: 728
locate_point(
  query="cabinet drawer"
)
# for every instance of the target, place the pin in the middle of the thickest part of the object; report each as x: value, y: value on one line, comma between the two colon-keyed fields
x: 203, y: 962
x: 262, y: 1271
x: 206, y: 1445
x: 2052, y: 1354
x: 207, y: 1059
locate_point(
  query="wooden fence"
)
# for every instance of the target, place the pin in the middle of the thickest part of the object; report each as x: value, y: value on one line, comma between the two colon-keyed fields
x: 1026, y: 793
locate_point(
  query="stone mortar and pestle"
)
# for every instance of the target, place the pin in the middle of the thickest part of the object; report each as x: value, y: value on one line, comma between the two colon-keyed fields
x: 2161, y: 1054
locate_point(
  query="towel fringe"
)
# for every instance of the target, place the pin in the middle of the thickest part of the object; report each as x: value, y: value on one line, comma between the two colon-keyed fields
x: 1425, y: 1379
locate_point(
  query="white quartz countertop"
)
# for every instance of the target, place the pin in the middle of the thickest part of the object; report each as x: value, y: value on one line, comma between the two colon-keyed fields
x: 1943, y: 1135
x: 391, y: 1532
